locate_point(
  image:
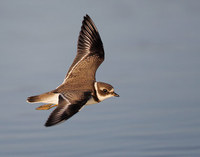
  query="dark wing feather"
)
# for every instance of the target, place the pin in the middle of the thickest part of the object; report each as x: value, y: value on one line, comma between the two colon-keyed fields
x: 89, y: 38
x: 67, y: 109
x: 90, y: 52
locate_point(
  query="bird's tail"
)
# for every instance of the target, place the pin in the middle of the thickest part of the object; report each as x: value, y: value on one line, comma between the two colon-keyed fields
x: 48, y: 97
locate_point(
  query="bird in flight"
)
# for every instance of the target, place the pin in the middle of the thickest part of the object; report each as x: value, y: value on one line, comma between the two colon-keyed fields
x: 79, y: 87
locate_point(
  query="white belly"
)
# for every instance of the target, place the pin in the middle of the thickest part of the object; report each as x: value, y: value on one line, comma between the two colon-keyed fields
x: 54, y: 100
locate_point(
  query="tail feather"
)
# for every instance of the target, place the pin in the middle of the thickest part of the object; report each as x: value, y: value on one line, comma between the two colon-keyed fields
x: 48, y: 97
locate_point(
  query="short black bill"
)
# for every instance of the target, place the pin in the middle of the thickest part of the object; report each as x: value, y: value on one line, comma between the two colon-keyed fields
x: 115, y: 94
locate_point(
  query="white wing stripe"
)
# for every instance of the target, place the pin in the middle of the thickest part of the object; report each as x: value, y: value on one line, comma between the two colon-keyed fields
x: 75, y: 66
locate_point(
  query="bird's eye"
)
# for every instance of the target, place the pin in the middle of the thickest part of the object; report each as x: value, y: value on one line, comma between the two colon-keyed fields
x: 105, y: 90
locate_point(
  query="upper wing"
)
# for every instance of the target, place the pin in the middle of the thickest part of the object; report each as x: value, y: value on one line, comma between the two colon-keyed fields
x: 90, y: 52
x: 67, y: 107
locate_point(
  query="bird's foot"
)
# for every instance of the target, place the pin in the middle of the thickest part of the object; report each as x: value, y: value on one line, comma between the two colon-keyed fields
x: 46, y: 106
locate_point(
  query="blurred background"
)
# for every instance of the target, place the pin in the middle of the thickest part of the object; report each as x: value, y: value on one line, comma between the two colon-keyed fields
x: 152, y: 59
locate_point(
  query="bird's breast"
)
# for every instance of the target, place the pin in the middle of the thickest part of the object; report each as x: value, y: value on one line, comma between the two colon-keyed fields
x: 91, y: 101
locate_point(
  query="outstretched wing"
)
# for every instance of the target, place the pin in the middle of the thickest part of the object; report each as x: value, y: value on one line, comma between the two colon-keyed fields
x: 90, y: 53
x: 67, y: 107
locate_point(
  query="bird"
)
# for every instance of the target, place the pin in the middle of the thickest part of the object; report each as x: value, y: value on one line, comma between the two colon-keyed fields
x: 79, y: 87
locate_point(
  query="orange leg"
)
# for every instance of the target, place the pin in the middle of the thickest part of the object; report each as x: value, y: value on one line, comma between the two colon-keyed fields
x: 46, y: 106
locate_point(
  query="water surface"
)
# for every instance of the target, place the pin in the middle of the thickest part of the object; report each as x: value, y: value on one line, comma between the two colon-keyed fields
x: 152, y: 59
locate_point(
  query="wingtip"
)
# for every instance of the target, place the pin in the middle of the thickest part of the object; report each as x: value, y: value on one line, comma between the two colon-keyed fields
x: 50, y: 122
x: 47, y: 124
x: 86, y: 16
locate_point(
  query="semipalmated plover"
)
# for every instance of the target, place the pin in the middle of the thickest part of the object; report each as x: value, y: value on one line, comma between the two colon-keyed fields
x: 79, y: 87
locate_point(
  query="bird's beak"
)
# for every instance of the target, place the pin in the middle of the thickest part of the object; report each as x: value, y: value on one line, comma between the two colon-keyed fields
x: 115, y: 94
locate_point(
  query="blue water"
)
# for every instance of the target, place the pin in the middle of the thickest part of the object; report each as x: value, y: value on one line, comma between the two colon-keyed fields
x: 152, y: 59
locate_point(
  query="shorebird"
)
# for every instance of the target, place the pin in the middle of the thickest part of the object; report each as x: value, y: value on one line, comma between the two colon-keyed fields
x: 79, y: 87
